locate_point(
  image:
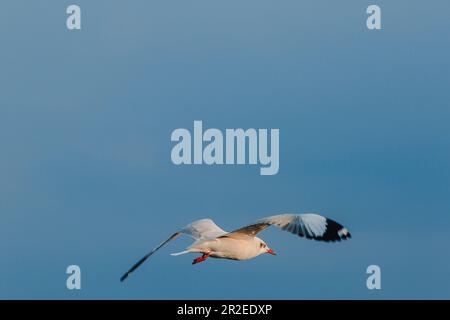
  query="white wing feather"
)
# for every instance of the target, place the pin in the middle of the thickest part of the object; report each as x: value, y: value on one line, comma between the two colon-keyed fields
x: 203, y: 229
x: 200, y: 229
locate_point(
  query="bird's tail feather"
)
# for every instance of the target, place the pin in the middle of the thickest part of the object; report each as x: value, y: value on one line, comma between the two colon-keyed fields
x: 179, y: 253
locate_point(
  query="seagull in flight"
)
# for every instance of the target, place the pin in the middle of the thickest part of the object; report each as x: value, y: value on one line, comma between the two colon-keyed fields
x: 243, y: 244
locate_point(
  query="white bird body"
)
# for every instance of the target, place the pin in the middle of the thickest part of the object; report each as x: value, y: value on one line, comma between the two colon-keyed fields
x: 243, y: 244
x: 228, y: 248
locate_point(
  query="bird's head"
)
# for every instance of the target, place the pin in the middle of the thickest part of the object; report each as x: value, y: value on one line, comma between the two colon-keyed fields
x: 263, y: 248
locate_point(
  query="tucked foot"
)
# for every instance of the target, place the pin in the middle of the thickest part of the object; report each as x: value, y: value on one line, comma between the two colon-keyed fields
x: 200, y: 259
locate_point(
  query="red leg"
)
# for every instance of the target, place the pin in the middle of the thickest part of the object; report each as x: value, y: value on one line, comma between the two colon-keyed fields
x: 201, y: 259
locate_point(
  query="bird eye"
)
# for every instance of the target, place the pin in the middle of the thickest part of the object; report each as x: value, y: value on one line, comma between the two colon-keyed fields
x: 262, y: 245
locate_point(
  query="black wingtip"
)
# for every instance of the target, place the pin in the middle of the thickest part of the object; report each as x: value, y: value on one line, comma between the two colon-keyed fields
x: 124, y: 277
x: 334, y: 232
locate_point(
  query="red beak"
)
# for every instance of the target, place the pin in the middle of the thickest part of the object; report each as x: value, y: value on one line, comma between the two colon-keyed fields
x: 271, y: 252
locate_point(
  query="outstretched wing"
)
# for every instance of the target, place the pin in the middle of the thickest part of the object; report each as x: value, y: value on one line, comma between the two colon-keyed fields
x: 309, y: 225
x: 200, y: 229
x: 203, y: 229
x: 137, y: 264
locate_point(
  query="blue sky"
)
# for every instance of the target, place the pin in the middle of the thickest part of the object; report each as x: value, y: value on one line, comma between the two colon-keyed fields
x: 85, y: 124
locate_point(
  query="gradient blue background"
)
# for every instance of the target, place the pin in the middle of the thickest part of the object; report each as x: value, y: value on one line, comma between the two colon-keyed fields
x: 85, y: 123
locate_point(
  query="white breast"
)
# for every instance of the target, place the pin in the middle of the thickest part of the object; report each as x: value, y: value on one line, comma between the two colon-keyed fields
x: 228, y: 248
